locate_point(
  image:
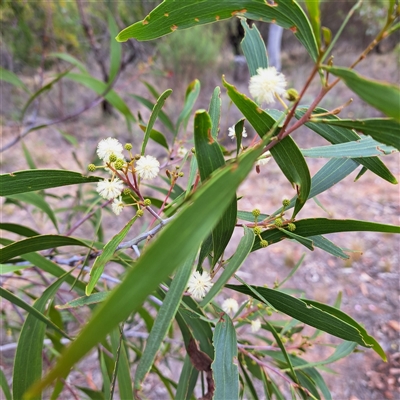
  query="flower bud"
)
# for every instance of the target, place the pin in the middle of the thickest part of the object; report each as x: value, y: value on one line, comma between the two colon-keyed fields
x: 256, y: 212
x: 137, y: 156
x: 147, y: 202
x: 128, y: 146
x: 139, y: 213
x: 278, y: 222
x: 257, y: 230
x: 126, y: 192
x: 119, y: 164
x: 263, y: 243
x: 112, y: 158
x: 285, y: 202
x: 292, y: 94
x: 291, y: 226
x: 91, y: 167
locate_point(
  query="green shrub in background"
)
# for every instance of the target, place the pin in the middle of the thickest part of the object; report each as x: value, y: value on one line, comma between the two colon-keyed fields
x: 189, y: 53
x: 175, y: 270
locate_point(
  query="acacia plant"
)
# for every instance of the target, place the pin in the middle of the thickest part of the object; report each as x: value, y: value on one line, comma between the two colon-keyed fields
x: 175, y: 270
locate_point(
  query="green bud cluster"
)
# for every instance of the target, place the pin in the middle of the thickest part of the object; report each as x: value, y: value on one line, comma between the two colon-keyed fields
x: 285, y: 202
x: 278, y: 222
x: 257, y: 230
x: 126, y: 192
x: 291, y: 226
x: 139, y: 213
x: 112, y: 158
x: 128, y: 146
x: 181, y: 174
x: 147, y: 202
x: 119, y: 164
x: 91, y: 167
x: 263, y: 243
x: 256, y: 212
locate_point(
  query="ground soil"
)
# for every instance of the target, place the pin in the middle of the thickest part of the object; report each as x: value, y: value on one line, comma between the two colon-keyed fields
x: 369, y: 280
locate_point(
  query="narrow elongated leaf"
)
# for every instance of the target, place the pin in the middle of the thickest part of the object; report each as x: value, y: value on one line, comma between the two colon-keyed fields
x: 324, y: 244
x: 239, y: 126
x: 100, y: 88
x: 37, y: 243
x: 28, y: 356
x: 5, y: 294
x: 291, y: 162
x: 161, y: 258
x: 366, y: 147
x: 18, y: 229
x: 42, y: 90
x: 241, y: 253
x: 72, y: 60
x: 225, y: 369
x: 94, y: 298
x: 10, y: 77
x: 37, y: 201
x: 122, y: 365
x: 48, y: 266
x: 383, y: 130
x: 318, y: 315
x: 300, y: 239
x: 115, y: 48
x: 321, y: 226
x: 315, y: 19
x: 337, y: 134
x: 4, y: 385
x: 171, y: 15
x: 163, y: 117
x: 107, y: 254
x: 39, y: 179
x: 248, y: 216
x: 215, y: 112
x: 253, y: 47
x: 165, y: 316
x: 260, y: 120
x: 192, y: 93
x: 209, y: 158
x: 157, y: 136
x: 342, y: 350
x: 187, y: 380
x: 381, y: 95
x: 153, y: 117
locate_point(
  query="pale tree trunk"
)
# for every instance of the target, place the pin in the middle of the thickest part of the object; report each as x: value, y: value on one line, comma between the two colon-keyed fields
x: 274, y: 46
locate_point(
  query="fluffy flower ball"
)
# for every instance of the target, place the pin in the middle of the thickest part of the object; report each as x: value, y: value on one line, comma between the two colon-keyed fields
x: 255, y: 325
x: 266, y: 85
x: 199, y: 284
x: 232, y: 133
x: 230, y: 306
x: 110, y: 189
x: 109, y: 146
x: 117, y: 206
x: 147, y: 167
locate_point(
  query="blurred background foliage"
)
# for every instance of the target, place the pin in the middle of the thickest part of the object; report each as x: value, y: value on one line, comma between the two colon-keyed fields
x: 55, y: 26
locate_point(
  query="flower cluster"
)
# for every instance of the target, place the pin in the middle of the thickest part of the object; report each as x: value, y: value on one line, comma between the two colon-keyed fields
x: 232, y: 133
x: 267, y: 85
x: 199, y: 284
x: 110, y: 151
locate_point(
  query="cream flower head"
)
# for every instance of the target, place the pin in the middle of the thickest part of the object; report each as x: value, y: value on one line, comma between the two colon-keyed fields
x: 110, y: 189
x: 109, y: 146
x: 199, y: 284
x: 182, y: 152
x: 232, y: 133
x: 255, y: 325
x: 117, y: 206
x: 230, y: 306
x: 266, y: 85
x: 147, y: 167
x: 264, y: 158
